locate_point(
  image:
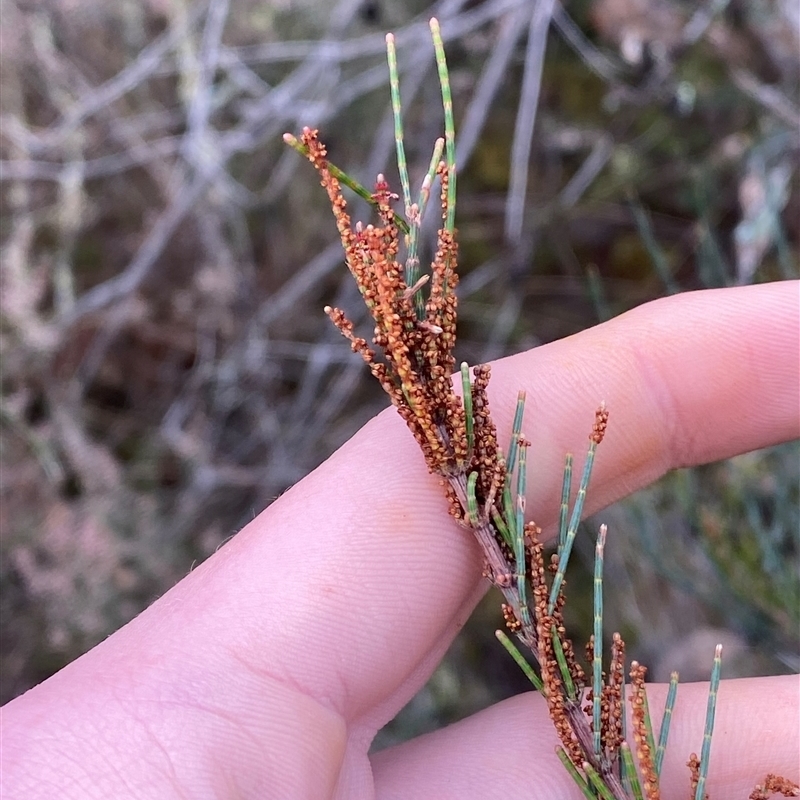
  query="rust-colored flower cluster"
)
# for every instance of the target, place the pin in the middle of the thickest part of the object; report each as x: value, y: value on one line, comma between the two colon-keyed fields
x: 417, y: 354
x: 611, y: 698
x: 644, y: 750
x: 547, y: 624
x: 412, y: 358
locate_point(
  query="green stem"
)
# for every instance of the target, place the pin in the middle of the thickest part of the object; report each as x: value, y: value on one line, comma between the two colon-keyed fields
x: 629, y: 775
x: 597, y: 782
x: 394, y: 86
x: 415, y: 220
x: 520, y: 659
x: 501, y: 526
x: 566, y: 487
x: 562, y: 664
x: 466, y: 391
x: 519, y: 538
x: 705, y: 753
x: 449, y: 124
x: 472, y: 500
x: 516, y: 432
x: 344, y: 179
x: 597, y: 660
x: 563, y: 558
x: 576, y: 776
x: 663, y: 734
x: 648, y: 722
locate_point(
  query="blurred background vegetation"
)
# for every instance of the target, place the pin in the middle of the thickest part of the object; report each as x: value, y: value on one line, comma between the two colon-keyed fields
x: 166, y: 367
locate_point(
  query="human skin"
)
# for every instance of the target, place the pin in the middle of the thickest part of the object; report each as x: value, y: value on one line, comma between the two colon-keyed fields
x: 267, y: 671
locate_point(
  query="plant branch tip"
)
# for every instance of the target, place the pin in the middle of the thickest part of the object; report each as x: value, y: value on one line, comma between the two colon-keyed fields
x: 411, y: 356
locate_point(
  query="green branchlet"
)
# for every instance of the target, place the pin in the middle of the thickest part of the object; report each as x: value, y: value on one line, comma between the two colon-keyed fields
x: 580, y: 781
x: 526, y: 668
x: 597, y: 644
x: 343, y: 178
x: 663, y: 735
x: 572, y: 529
x: 566, y: 488
x: 629, y: 775
x: 705, y: 752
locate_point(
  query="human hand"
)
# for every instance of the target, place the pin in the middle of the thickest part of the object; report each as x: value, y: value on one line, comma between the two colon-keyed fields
x: 267, y: 671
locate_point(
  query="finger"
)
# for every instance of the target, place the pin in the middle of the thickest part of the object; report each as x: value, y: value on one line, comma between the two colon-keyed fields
x: 508, y: 750
x: 689, y: 379
x: 348, y: 589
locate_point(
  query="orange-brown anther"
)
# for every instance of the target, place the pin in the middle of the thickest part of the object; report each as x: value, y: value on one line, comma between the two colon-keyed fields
x: 774, y: 784
x: 613, y: 695
x: 600, y: 425
x: 512, y: 623
x: 694, y: 770
x: 644, y: 753
x: 317, y: 154
x: 551, y: 675
x: 485, y: 460
x: 454, y: 504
